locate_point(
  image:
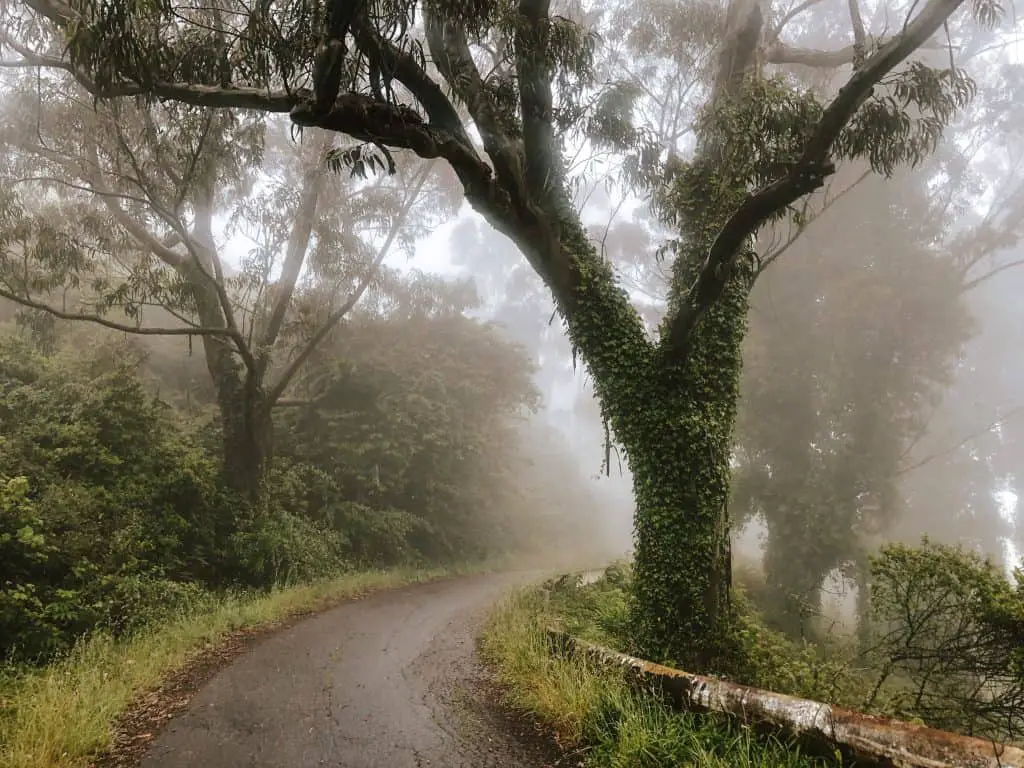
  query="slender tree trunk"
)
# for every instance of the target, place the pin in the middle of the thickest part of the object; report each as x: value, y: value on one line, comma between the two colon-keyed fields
x: 863, y: 607
x: 245, y: 411
x: 794, y: 580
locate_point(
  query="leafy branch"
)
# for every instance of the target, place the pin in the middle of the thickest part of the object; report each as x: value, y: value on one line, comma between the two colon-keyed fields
x: 803, y: 176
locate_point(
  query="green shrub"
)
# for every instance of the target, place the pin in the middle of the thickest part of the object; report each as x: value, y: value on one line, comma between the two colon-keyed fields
x: 105, y: 502
x: 594, y: 710
x: 947, y: 640
x: 126, y: 604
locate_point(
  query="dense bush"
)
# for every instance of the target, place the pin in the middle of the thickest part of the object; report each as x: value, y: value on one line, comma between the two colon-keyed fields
x: 103, y: 498
x: 112, y: 509
x: 947, y: 640
x: 413, y: 436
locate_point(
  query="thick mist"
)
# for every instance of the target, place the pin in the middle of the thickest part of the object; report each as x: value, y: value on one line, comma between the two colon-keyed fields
x: 364, y: 331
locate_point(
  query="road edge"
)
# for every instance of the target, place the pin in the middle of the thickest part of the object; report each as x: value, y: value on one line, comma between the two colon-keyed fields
x: 151, y: 710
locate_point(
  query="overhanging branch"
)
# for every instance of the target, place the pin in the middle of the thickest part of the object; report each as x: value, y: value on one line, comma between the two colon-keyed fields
x: 804, y: 176
x: 25, y: 301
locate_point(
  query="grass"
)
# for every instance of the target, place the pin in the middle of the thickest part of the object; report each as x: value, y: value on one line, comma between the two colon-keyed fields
x: 595, y: 712
x: 62, y: 715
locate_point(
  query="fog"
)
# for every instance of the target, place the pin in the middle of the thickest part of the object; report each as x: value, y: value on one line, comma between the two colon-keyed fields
x: 882, y: 396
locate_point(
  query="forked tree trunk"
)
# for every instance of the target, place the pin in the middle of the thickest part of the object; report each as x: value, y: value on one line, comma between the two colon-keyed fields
x: 675, y: 416
x: 680, y: 458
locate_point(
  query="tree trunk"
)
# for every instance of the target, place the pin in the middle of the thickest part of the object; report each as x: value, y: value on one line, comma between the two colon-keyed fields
x: 794, y: 582
x: 248, y: 434
x: 245, y: 410
x: 680, y: 446
x: 674, y: 415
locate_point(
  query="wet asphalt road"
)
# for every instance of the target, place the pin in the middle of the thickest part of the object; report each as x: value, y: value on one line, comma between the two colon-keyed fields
x: 390, y: 681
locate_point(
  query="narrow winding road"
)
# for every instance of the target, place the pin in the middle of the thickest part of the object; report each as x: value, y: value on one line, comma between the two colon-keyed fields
x: 390, y: 681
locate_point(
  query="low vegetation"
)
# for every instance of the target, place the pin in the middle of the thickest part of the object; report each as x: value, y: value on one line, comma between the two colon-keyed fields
x: 595, y: 713
x: 125, y: 552
x: 943, y: 647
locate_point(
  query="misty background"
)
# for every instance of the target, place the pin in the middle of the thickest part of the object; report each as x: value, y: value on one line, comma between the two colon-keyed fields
x: 882, y: 395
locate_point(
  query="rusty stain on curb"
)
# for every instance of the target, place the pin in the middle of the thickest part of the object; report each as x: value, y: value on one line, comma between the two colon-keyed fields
x: 866, y: 740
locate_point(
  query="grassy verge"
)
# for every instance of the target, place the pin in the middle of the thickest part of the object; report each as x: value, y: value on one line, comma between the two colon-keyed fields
x: 595, y: 712
x: 62, y: 715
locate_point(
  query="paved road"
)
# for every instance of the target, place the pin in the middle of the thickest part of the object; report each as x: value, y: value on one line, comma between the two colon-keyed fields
x: 390, y: 681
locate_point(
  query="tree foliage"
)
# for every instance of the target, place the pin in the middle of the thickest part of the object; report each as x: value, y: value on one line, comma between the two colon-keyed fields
x: 948, y: 639
x: 111, y: 217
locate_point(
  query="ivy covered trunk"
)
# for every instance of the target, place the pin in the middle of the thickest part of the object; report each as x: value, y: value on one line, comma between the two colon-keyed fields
x: 680, y: 447
x: 674, y: 414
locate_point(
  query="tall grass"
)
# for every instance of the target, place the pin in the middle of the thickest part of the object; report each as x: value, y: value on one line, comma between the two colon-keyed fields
x: 63, y: 714
x: 596, y: 712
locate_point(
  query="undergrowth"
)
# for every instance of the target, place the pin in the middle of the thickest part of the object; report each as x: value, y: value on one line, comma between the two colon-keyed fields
x: 594, y: 711
x: 942, y: 646
x: 60, y: 715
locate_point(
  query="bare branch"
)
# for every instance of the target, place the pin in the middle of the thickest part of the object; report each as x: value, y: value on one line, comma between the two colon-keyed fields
x: 975, y: 282
x: 131, y: 225
x: 335, y: 317
x: 195, y: 330
x: 791, y: 14
x: 773, y: 256
x: 780, y: 53
x: 298, y: 243
x: 1012, y: 413
x: 859, y: 35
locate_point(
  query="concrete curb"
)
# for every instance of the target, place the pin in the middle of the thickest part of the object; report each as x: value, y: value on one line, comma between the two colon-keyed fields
x: 867, y: 740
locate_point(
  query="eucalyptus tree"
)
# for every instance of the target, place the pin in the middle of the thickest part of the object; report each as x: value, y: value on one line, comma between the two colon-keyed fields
x: 862, y: 355
x: 852, y: 345
x: 670, y: 397
x: 123, y: 214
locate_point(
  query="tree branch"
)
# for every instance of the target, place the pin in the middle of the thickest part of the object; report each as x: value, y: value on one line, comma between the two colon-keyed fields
x: 791, y: 14
x: 277, y: 390
x: 975, y: 282
x: 828, y: 203
x: 1012, y: 413
x: 859, y: 35
x: 452, y: 57
x: 780, y: 53
x: 206, y: 247
x: 362, y: 117
x: 298, y: 243
x: 804, y: 176
x: 113, y: 325
x: 164, y: 252
x: 541, y: 150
